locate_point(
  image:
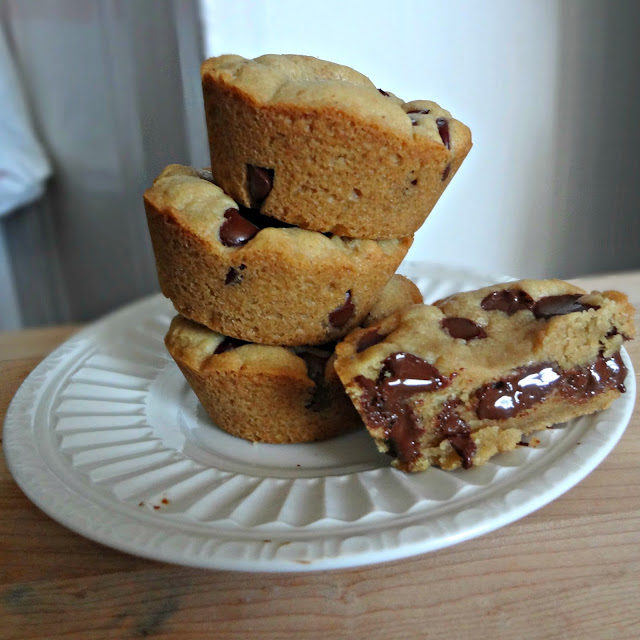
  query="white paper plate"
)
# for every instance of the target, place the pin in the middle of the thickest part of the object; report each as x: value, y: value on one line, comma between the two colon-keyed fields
x: 106, y: 437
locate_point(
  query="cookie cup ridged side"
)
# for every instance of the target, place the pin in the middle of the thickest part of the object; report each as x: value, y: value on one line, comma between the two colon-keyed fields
x: 285, y: 286
x: 344, y: 157
x: 258, y: 392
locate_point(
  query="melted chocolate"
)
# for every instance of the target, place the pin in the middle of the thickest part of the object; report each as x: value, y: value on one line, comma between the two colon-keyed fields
x: 507, y: 397
x: 234, y: 276
x: 603, y: 373
x: 401, y: 427
x: 561, y: 305
x: 446, y: 172
x: 465, y: 447
x: 463, y: 328
x: 409, y: 374
x: 508, y: 300
x: 422, y: 111
x: 448, y: 424
x: 443, y: 130
x: 384, y: 93
x: 228, y: 344
x: 532, y: 384
x: 368, y: 340
x: 260, y: 183
x: 384, y: 402
x: 235, y: 229
x: 340, y: 316
x: 316, y: 362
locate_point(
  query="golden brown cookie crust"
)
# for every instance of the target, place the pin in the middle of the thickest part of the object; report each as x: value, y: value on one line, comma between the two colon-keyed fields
x: 281, y: 287
x: 270, y: 393
x: 346, y: 158
x: 258, y: 392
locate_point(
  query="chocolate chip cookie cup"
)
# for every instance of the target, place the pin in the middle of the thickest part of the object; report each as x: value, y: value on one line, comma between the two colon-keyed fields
x: 250, y: 277
x: 455, y: 383
x: 317, y: 145
x: 271, y: 393
x: 262, y: 393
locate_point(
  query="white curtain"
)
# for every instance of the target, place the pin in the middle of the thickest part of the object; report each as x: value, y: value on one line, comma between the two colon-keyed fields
x: 113, y: 86
x: 24, y: 169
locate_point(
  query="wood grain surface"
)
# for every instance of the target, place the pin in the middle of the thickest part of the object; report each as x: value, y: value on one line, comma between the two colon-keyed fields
x: 570, y: 570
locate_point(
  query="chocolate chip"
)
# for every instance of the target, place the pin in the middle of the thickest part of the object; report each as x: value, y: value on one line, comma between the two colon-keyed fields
x: 446, y: 172
x: 463, y: 328
x: 561, y: 305
x: 241, y: 225
x: 450, y: 425
x: 234, y: 276
x: 414, y: 123
x: 229, y: 344
x: 465, y: 447
x: 509, y: 301
x: 422, y: 111
x: 316, y: 362
x: 443, y: 130
x: 260, y: 183
x: 368, y: 340
x: 414, y: 182
x: 340, y: 316
x: 236, y: 230
x: 383, y: 403
x: 384, y: 93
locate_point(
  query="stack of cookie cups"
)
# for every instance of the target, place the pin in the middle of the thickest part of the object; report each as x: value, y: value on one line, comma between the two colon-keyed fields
x: 318, y: 182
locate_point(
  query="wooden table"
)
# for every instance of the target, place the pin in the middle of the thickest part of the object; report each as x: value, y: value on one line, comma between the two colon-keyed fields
x: 569, y: 570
